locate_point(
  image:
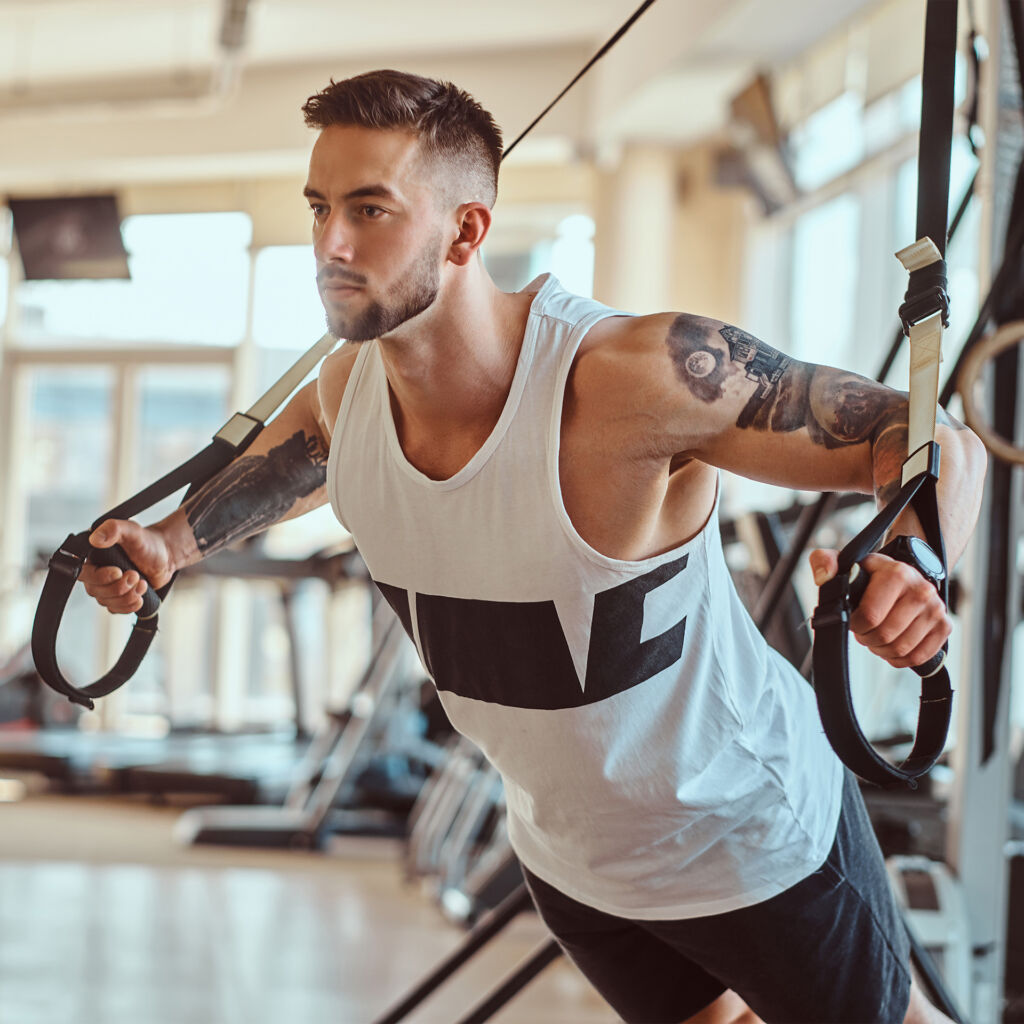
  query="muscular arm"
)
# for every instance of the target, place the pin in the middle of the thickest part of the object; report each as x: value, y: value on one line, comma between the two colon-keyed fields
x: 280, y: 476
x: 764, y: 415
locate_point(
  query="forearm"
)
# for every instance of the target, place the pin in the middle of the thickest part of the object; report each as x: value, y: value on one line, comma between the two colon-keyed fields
x: 961, y: 481
x: 281, y: 476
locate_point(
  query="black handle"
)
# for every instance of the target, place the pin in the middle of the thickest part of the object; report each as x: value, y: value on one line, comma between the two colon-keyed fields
x: 116, y: 556
x: 933, y: 664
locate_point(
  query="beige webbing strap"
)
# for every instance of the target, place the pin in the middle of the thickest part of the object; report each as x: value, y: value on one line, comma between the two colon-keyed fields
x: 925, y: 356
x: 266, y: 405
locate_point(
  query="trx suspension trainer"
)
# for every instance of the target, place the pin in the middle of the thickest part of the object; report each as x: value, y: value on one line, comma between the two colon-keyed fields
x: 923, y: 314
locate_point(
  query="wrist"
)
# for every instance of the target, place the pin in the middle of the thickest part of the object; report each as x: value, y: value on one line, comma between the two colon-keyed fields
x: 179, y: 544
x: 918, y: 553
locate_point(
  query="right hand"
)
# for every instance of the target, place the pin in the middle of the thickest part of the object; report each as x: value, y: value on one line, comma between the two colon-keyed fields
x: 148, y: 549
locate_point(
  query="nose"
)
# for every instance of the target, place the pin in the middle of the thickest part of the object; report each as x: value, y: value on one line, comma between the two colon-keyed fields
x: 331, y: 241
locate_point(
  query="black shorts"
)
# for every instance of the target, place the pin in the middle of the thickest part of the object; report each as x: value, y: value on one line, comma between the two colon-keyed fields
x: 833, y: 948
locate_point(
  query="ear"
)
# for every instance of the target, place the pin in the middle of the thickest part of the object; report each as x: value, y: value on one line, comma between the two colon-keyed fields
x: 473, y: 223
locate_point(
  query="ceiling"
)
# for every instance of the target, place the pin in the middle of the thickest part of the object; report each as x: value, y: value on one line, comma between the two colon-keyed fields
x: 82, y: 82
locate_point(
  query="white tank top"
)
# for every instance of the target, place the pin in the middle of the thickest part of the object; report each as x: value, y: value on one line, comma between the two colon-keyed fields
x: 659, y: 759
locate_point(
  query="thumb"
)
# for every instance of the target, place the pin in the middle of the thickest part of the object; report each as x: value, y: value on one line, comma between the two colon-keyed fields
x: 106, y: 534
x: 824, y: 564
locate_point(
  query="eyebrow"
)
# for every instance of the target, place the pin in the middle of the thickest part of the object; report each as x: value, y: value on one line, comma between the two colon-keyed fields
x: 378, y: 191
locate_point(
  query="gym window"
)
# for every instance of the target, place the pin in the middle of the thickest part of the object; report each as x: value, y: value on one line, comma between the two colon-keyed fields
x: 189, y: 284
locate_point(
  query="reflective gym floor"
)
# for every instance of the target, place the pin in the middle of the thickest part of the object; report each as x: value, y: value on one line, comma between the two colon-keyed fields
x: 105, y: 920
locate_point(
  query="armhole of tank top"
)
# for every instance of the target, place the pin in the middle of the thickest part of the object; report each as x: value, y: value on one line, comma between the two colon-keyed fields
x: 333, y: 491
x: 703, y: 535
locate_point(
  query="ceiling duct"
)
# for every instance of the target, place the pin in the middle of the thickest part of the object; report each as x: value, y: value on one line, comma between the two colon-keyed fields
x: 167, y: 94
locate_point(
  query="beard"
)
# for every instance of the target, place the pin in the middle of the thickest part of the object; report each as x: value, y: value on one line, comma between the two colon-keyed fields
x: 415, y: 292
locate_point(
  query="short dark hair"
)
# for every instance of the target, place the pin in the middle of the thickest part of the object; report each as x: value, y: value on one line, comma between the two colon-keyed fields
x: 450, y: 124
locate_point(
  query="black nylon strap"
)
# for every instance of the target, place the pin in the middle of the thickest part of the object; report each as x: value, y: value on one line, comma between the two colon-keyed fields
x: 620, y: 32
x: 926, y: 295
x: 831, y: 667
x: 937, y: 107
x: 66, y: 565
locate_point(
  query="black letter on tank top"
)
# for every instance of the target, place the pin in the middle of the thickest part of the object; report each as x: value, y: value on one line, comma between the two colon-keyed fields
x: 618, y: 659
x: 399, y: 601
x: 514, y: 653
x: 504, y: 652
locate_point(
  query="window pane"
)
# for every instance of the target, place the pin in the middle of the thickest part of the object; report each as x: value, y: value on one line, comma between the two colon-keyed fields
x: 829, y: 142
x: 286, y: 312
x: 571, y: 256
x: 288, y: 316
x: 825, y: 290
x: 190, y: 283
x: 179, y: 410
x: 68, y: 456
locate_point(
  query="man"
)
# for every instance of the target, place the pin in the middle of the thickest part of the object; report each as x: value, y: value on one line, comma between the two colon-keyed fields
x: 532, y: 479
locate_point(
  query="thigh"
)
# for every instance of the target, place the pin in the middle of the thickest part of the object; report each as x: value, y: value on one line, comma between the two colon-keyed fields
x: 643, y: 978
x: 833, y: 948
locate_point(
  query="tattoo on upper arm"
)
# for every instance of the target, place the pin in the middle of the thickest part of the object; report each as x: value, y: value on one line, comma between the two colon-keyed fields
x: 781, y: 395
x: 255, y: 491
x: 705, y: 365
x: 837, y: 408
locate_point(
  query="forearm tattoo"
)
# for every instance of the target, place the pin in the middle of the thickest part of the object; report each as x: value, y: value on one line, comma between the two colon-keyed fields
x: 255, y: 491
x: 836, y: 408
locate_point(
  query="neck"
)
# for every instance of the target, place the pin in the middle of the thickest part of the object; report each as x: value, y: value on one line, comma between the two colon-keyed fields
x: 450, y: 369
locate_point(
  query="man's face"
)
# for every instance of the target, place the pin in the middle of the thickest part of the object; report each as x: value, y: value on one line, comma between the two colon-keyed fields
x: 377, y: 232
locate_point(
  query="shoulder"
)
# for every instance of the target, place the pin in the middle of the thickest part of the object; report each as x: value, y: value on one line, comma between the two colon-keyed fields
x: 331, y: 383
x: 628, y: 372
x: 652, y: 353
x: 648, y: 345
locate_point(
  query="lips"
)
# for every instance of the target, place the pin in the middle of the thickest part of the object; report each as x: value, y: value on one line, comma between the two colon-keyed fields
x: 337, y: 290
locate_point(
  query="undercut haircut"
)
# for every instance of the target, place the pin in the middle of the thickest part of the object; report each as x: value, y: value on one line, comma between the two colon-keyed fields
x: 452, y: 128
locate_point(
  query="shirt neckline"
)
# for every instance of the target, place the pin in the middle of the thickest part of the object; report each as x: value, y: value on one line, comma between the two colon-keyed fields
x: 483, y: 453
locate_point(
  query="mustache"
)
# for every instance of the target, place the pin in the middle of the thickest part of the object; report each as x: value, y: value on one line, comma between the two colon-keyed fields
x: 334, y: 275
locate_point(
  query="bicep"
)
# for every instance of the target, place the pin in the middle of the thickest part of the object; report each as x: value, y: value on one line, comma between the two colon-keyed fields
x: 300, y: 419
x: 312, y: 410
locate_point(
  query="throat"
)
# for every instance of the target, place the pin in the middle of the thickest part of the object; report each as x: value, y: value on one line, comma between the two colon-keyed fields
x: 447, y: 405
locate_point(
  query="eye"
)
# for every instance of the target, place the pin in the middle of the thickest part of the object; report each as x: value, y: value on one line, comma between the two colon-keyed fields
x: 319, y: 210
x: 371, y: 212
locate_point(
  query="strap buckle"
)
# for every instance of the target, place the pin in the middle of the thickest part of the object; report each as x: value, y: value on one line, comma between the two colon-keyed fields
x: 926, y: 292
x: 65, y: 562
x: 923, y: 304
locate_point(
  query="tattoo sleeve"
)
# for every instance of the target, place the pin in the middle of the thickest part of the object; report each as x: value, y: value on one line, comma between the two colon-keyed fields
x: 780, y: 395
x: 256, y: 491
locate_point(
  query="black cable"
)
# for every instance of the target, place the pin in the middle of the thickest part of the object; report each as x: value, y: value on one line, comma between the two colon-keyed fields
x: 624, y: 28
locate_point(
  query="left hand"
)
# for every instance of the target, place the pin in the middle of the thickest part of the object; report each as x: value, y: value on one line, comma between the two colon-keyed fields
x: 901, y: 617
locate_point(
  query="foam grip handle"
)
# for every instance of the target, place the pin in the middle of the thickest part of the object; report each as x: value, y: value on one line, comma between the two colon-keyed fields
x: 116, y: 556
x: 933, y: 664
x: 858, y: 584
